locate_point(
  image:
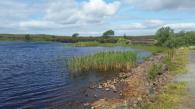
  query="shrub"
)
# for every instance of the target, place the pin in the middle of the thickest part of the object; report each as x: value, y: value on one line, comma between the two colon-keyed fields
x: 75, y: 35
x: 108, y: 33
x: 164, y: 34
x: 155, y: 70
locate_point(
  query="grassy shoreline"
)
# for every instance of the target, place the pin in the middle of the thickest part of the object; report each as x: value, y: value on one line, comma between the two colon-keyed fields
x: 173, y: 92
x: 152, y: 48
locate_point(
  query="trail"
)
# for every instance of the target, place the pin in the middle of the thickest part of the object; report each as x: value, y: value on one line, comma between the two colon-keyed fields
x: 189, y: 77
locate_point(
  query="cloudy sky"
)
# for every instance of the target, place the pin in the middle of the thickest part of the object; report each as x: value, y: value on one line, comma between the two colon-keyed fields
x: 92, y: 17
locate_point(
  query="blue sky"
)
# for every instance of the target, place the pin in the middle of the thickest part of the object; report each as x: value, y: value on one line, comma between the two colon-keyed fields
x: 92, y: 17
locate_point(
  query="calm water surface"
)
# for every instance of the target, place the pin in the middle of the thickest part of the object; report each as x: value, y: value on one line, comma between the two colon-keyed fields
x: 35, y: 73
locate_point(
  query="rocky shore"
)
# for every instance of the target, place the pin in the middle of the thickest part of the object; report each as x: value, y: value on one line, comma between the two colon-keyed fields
x: 130, y: 89
x: 126, y: 90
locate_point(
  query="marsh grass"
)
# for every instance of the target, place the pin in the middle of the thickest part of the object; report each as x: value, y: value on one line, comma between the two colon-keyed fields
x: 172, y: 95
x: 104, y: 62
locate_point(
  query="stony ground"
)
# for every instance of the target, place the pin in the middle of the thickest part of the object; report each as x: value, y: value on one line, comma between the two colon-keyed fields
x: 134, y: 87
x: 189, y: 102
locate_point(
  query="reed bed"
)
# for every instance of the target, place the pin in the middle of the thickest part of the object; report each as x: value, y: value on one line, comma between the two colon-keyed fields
x: 104, y: 62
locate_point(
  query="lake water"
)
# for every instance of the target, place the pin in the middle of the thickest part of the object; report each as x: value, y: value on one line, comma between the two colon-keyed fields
x: 35, y: 73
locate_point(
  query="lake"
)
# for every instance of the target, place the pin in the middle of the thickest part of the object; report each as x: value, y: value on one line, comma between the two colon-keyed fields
x: 35, y: 73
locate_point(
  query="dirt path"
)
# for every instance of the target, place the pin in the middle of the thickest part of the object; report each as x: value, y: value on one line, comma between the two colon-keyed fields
x: 189, y: 103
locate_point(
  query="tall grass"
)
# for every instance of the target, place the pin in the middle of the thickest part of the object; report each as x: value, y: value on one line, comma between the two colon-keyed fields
x: 104, y: 62
x: 177, y: 60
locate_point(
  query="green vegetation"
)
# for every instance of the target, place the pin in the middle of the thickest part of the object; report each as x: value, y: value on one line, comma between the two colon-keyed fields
x: 86, y: 44
x: 93, y: 44
x: 75, y: 35
x: 177, y: 60
x: 172, y: 95
x: 27, y: 37
x: 164, y: 35
x: 152, y: 48
x: 104, y: 62
x: 155, y: 70
x: 108, y: 33
x: 167, y: 38
x: 192, y: 47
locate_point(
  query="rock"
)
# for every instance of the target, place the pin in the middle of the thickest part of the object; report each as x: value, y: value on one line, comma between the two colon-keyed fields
x: 86, y: 104
x: 115, y: 91
x: 134, y: 105
x: 107, y: 89
x: 100, y: 87
x: 95, y: 96
x: 91, y: 87
x: 139, y: 99
x: 113, y: 87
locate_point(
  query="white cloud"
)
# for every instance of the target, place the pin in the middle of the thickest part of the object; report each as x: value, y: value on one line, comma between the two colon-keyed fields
x: 153, y: 25
x: 182, y: 26
x: 162, y: 4
x: 90, y: 16
x: 147, y: 24
x: 56, y: 14
x: 71, y: 12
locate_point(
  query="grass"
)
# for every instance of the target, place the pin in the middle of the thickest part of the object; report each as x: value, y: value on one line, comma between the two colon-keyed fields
x: 152, y: 48
x: 177, y: 60
x: 154, y: 71
x: 192, y: 47
x: 172, y: 95
x: 85, y: 44
x: 96, y: 44
x: 92, y: 44
x: 104, y: 62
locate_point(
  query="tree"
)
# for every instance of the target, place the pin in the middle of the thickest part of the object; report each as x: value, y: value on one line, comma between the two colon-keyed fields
x: 27, y: 37
x: 164, y: 34
x: 108, y: 33
x: 75, y: 35
x: 125, y: 36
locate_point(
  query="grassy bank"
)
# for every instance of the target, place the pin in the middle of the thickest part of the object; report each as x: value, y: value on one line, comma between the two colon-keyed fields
x: 177, y: 60
x: 152, y: 48
x: 93, y: 44
x: 170, y: 97
x: 104, y: 62
x: 172, y: 93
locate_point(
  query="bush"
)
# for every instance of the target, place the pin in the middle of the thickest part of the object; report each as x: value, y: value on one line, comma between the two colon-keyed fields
x: 108, y: 33
x: 163, y: 35
x: 155, y: 70
x: 108, y: 40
